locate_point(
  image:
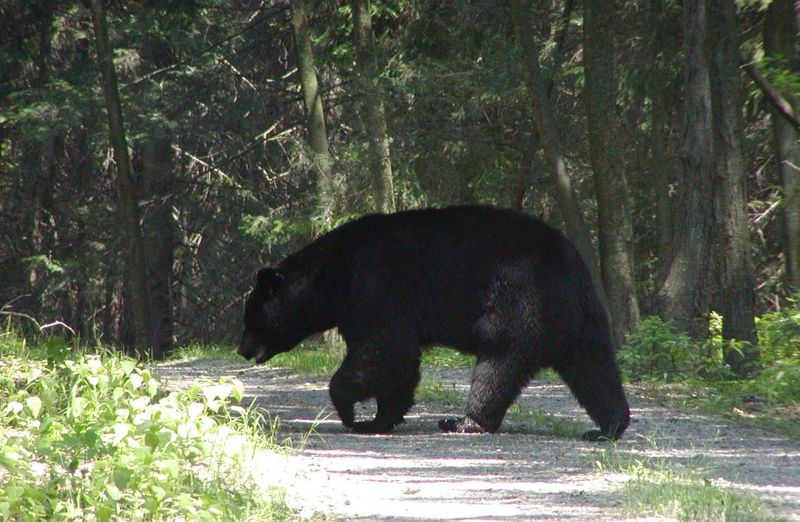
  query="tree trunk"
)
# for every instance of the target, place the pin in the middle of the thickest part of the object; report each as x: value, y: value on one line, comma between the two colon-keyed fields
x: 375, y: 114
x: 614, y: 220
x: 39, y: 165
x: 736, y: 295
x: 159, y: 225
x: 780, y: 32
x: 545, y: 125
x: 683, y: 297
x: 661, y: 166
x: 126, y: 193
x: 315, y: 116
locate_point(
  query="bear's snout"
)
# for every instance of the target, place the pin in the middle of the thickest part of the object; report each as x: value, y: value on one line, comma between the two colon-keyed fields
x: 248, y: 346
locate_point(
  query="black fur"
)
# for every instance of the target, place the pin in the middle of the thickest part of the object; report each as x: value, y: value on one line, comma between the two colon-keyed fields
x: 494, y: 283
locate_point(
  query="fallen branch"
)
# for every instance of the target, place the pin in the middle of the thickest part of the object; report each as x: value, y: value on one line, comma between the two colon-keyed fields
x: 40, y: 327
x: 776, y: 99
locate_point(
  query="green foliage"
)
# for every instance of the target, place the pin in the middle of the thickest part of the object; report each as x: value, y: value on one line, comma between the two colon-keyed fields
x: 769, y: 397
x: 658, y: 350
x: 777, y: 383
x: 96, y: 437
x: 779, y: 336
x: 274, y: 231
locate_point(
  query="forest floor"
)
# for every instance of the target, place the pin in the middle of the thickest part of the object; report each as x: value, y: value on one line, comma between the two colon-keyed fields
x: 527, y: 471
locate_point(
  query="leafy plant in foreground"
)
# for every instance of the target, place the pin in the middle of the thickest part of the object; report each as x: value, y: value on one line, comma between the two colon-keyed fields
x: 96, y: 437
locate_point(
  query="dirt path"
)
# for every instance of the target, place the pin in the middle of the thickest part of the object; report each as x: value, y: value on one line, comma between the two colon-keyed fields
x: 521, y: 473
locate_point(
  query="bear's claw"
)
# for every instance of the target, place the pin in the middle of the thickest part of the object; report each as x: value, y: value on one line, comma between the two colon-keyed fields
x: 460, y: 425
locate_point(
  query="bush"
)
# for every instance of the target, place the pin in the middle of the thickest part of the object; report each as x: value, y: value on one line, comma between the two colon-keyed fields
x: 657, y: 350
x: 779, y: 335
x: 95, y: 437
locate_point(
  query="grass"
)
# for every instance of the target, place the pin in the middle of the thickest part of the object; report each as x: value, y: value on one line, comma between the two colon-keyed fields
x: 94, y: 436
x: 201, y: 351
x: 431, y: 390
x: 546, y: 421
x: 315, y: 358
x: 658, y: 488
x: 442, y: 357
x: 735, y: 400
x: 311, y: 359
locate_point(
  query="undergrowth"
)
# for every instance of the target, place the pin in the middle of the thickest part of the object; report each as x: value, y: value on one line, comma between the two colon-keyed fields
x: 95, y: 436
x: 656, y: 487
x: 694, y: 374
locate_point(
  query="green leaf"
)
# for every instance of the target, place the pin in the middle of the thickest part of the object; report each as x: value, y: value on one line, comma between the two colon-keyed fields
x: 127, y: 365
x: 113, y: 492
x: 34, y: 405
x: 122, y: 476
x: 151, y: 438
x: 170, y: 467
x: 77, y: 407
x: 14, y: 407
x: 195, y: 409
x: 103, y: 512
x: 158, y: 492
x: 14, y: 493
x: 136, y: 380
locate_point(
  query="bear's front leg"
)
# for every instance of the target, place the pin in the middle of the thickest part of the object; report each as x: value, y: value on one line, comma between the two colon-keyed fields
x: 343, y: 395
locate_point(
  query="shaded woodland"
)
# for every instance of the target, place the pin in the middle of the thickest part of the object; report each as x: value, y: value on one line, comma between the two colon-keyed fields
x: 153, y: 155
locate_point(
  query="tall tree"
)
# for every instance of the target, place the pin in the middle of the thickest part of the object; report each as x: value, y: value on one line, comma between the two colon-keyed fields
x: 735, y: 295
x: 375, y: 112
x: 545, y: 127
x: 683, y: 297
x: 159, y: 231
x: 156, y: 166
x: 315, y: 116
x: 40, y: 158
x: 126, y: 189
x: 780, y: 37
x: 661, y: 113
x: 614, y: 220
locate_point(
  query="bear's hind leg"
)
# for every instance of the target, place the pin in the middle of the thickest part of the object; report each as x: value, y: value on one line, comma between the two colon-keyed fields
x: 496, y: 383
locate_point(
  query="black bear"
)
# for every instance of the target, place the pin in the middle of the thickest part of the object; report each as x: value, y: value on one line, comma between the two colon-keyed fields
x: 494, y: 283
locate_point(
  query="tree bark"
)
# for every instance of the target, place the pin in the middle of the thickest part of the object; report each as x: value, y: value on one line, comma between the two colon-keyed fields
x: 614, y: 220
x: 126, y: 190
x: 736, y: 295
x: 683, y: 297
x: 545, y: 126
x: 315, y: 116
x: 780, y: 31
x: 158, y: 176
x: 661, y: 166
x: 375, y: 113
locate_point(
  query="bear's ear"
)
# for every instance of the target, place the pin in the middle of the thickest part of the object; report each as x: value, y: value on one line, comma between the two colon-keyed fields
x: 269, y: 278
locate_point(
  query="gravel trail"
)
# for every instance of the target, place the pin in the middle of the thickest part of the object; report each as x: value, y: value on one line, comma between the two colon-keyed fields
x: 523, y: 472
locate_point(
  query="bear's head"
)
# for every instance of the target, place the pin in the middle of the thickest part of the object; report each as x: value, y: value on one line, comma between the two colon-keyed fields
x: 276, y: 315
